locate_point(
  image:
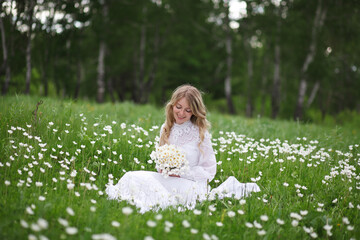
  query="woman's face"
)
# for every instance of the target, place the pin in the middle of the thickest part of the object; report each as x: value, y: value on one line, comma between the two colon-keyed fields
x: 182, y: 111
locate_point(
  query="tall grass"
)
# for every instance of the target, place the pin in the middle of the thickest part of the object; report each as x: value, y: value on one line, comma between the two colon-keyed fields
x: 60, y: 157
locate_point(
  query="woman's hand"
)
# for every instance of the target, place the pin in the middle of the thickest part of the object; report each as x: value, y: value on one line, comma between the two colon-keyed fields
x: 173, y: 175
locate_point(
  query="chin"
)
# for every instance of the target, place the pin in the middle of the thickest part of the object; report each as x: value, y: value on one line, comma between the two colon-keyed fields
x: 180, y: 121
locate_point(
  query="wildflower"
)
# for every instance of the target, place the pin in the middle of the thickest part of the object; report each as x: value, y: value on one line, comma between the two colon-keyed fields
x: 148, y: 238
x: 169, y: 224
x: 29, y: 211
x: 219, y: 224
x: 264, y: 218
x: 35, y: 227
x: 242, y: 201
x: 313, y: 235
x: 70, y: 186
x: 24, y: 224
x: 212, y: 208
x: 350, y: 228
x: 231, y: 214
x: 280, y: 221
x: 328, y: 227
x: 345, y: 220
x: 32, y: 237
x: 194, y: 231
x: 295, y: 223
x: 197, y: 212
x: 102, y: 236
x: 127, y: 210
x: 43, y: 224
x: 151, y: 223
x: 115, y: 224
x: 158, y: 217
x: 257, y: 225
x: 63, y: 222
x: 206, y: 236
x: 186, y: 224
x: 70, y: 211
x: 305, y: 212
x: 71, y: 230
x: 39, y: 184
x: 261, y: 232
x: 249, y: 225
x: 241, y: 212
x: 296, y: 216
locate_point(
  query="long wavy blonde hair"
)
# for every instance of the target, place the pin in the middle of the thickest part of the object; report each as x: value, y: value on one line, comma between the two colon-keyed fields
x: 198, y: 109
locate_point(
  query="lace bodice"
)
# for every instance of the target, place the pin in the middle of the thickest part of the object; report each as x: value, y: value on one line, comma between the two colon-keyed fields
x: 202, y: 163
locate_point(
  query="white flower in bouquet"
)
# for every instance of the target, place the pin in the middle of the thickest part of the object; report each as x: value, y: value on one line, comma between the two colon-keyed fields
x: 170, y: 160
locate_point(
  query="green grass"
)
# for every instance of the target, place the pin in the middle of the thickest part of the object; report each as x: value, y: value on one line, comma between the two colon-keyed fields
x: 274, y: 152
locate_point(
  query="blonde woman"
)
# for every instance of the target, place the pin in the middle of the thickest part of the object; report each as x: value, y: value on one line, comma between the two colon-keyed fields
x: 186, y: 127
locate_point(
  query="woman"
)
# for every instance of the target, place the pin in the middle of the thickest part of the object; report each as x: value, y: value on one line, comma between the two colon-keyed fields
x: 185, y: 127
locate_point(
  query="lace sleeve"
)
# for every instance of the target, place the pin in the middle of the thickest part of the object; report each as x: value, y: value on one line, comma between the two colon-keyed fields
x: 206, y: 167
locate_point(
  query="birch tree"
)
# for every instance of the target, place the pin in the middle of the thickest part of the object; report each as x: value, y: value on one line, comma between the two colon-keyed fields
x: 320, y: 15
x: 6, y: 64
x: 30, y: 15
x: 229, y: 59
x: 101, y: 58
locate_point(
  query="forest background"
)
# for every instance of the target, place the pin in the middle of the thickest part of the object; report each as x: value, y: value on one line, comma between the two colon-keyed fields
x: 289, y: 59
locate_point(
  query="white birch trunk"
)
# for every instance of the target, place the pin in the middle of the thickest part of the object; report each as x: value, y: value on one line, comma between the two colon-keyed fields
x: 28, y: 47
x: 275, y: 95
x: 318, y: 23
x: 229, y: 60
x: 101, y: 73
x: 5, y: 58
x: 313, y: 94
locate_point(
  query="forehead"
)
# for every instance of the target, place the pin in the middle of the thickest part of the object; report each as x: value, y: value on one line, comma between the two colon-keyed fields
x: 183, y: 102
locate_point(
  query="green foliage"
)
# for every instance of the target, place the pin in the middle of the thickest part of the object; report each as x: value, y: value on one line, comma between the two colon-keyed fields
x: 291, y: 160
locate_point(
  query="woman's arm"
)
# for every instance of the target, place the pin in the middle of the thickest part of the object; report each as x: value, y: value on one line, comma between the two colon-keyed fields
x: 206, y: 167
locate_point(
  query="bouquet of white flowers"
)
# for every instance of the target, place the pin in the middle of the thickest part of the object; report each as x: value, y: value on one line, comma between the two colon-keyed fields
x: 170, y: 160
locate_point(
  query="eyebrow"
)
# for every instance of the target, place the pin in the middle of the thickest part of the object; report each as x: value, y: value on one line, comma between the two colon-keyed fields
x: 181, y: 106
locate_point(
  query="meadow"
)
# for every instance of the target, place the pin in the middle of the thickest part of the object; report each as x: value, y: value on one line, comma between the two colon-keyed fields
x: 56, y: 159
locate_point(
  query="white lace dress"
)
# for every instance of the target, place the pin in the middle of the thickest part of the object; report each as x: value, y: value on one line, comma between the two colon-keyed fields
x: 151, y: 191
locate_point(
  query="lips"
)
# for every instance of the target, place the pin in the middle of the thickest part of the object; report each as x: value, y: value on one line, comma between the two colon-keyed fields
x: 180, y: 117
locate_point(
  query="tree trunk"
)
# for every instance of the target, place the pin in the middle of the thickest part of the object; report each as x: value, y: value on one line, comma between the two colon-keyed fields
x: 47, y: 46
x: 5, y: 58
x: 229, y: 60
x: 111, y: 89
x: 313, y: 94
x: 101, y: 73
x: 120, y: 90
x: 101, y: 58
x: 79, y: 78
x: 135, y: 84
x: 264, y: 85
x: 44, y: 74
x: 28, y: 47
x: 250, y: 70
x: 140, y: 86
x: 275, y: 95
x: 153, y: 70
x: 141, y: 74
x: 318, y: 22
